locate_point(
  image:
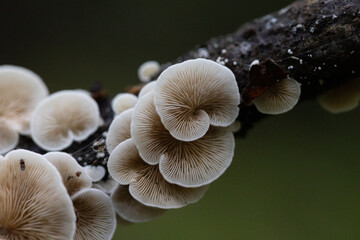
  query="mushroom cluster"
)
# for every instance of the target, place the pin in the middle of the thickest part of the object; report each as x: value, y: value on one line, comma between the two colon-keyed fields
x: 177, y: 139
x: 21, y: 90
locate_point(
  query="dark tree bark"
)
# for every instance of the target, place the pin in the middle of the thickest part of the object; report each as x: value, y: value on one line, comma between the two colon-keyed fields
x: 316, y: 42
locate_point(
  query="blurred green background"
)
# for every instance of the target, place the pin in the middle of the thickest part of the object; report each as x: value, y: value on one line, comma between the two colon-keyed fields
x: 296, y: 176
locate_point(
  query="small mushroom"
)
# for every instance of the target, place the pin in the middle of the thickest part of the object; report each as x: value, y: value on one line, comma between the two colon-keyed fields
x: 147, y: 185
x: 147, y: 88
x: 279, y: 98
x: 119, y: 130
x: 34, y: 203
x: 130, y: 209
x: 96, y: 173
x: 147, y: 70
x: 192, y: 95
x: 235, y: 126
x: 96, y: 218
x: 63, y: 117
x: 73, y: 176
x: 188, y: 164
x: 342, y: 98
x: 20, y: 91
x: 122, y: 102
x: 107, y: 186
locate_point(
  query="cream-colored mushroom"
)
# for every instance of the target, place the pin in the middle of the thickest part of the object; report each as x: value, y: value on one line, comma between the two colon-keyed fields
x: 73, y: 175
x: 20, y: 91
x: 107, y: 186
x: 96, y: 218
x: 122, y: 102
x: 147, y: 70
x: 130, y: 209
x: 119, y: 130
x: 96, y: 173
x: 235, y: 126
x: 188, y: 164
x: 279, y: 98
x: 342, y: 98
x: 147, y: 88
x: 63, y: 117
x: 147, y: 185
x: 191, y: 96
x: 34, y: 203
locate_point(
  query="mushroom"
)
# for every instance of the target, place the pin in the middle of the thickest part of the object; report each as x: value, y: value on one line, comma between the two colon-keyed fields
x: 20, y: 91
x: 122, y: 102
x: 279, y: 98
x: 63, y: 117
x: 147, y: 70
x: 34, y: 203
x: 147, y: 185
x: 107, y: 186
x: 119, y: 130
x: 130, y: 209
x: 235, y: 126
x: 96, y: 173
x: 147, y: 88
x: 73, y: 176
x: 96, y: 218
x: 192, y: 95
x: 188, y: 164
x: 342, y: 98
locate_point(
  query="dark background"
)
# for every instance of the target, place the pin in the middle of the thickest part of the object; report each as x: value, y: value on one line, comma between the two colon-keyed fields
x: 296, y: 176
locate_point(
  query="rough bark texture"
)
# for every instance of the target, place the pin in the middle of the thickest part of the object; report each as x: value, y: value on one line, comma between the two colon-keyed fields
x: 316, y: 42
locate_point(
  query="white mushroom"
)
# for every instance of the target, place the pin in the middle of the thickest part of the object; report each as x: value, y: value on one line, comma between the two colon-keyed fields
x: 96, y: 218
x: 147, y: 185
x: 34, y: 203
x: 130, y: 209
x: 119, y: 130
x: 191, y: 96
x: 20, y: 91
x: 342, y: 98
x: 279, y: 98
x: 147, y: 70
x: 188, y: 164
x: 63, y: 117
x: 147, y: 88
x: 235, y: 126
x: 73, y: 176
x: 122, y: 102
x: 96, y: 173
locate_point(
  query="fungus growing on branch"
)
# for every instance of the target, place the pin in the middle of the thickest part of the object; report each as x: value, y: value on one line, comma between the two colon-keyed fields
x: 63, y: 117
x: 147, y: 185
x: 34, y: 203
x: 188, y: 164
x: 122, y: 102
x: 192, y: 95
x: 147, y: 70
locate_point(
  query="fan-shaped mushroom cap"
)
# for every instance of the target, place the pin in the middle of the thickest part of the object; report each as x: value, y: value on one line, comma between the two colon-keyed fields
x: 188, y: 164
x: 9, y: 138
x: 34, y: 203
x: 190, y: 96
x: 122, y: 102
x: 279, y: 98
x: 341, y: 99
x: 147, y: 185
x: 147, y: 70
x: 63, y: 117
x: 96, y: 218
x: 119, y: 130
x: 73, y: 176
x: 147, y: 88
x: 20, y: 91
x: 96, y: 173
x: 130, y: 209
